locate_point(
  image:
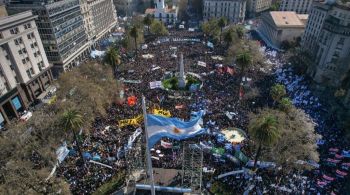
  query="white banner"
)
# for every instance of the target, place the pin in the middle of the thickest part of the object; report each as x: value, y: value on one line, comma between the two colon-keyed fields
x: 155, y: 84
x: 166, y: 144
x: 133, y: 137
x: 200, y: 63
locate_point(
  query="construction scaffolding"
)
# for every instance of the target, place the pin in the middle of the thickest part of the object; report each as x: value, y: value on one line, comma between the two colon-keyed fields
x: 191, y: 172
x: 192, y: 166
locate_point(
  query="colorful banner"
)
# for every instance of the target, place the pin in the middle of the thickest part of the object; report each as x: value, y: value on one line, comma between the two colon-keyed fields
x: 166, y: 144
x: 134, y: 121
x: 161, y: 112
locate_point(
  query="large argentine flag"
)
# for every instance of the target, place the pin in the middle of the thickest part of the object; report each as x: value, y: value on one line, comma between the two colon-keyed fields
x: 159, y: 126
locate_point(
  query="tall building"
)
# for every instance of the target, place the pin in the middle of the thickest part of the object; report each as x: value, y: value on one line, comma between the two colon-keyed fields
x: 99, y: 18
x: 125, y: 7
x: 254, y: 7
x: 233, y: 10
x: 298, y: 6
x: 163, y: 12
x: 24, y: 69
x: 61, y: 28
x: 278, y: 26
x: 327, y: 38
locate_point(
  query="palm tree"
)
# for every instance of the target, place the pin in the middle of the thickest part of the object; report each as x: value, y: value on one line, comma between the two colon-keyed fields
x: 240, y: 32
x: 244, y: 60
x: 134, y: 32
x: 112, y: 58
x: 264, y: 131
x: 228, y: 37
x: 148, y: 21
x: 277, y: 92
x: 73, y: 120
x: 222, y: 23
x: 285, y: 104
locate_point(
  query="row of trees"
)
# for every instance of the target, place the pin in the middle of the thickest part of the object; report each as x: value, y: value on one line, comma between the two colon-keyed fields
x: 285, y: 134
x: 28, y: 149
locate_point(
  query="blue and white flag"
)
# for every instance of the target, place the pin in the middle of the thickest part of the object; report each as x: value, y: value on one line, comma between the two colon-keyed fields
x: 174, y: 128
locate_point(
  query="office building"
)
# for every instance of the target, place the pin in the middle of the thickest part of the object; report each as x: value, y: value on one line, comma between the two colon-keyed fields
x: 277, y: 27
x: 232, y: 10
x: 327, y: 39
x: 255, y: 7
x: 24, y: 68
x: 298, y: 6
x: 61, y: 28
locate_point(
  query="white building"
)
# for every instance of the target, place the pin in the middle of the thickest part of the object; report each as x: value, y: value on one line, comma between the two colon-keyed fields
x: 100, y: 18
x: 254, y: 7
x: 327, y: 40
x: 299, y: 6
x: 277, y: 26
x: 163, y: 12
x: 233, y: 10
x: 24, y: 69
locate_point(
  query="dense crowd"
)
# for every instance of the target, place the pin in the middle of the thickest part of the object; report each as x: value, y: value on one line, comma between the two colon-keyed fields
x: 221, y: 93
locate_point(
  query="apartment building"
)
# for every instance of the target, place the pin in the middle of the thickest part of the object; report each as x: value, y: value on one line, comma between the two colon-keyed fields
x: 24, y: 68
x: 233, y: 10
x: 298, y: 6
x: 255, y: 7
x: 61, y: 28
x: 100, y: 18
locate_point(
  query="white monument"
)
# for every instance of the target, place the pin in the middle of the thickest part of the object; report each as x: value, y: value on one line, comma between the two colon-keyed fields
x: 182, y: 77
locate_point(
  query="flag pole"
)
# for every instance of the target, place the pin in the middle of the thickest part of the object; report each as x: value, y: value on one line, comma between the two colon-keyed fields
x: 148, y: 155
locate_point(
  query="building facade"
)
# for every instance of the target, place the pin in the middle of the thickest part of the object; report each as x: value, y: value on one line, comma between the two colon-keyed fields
x: 278, y: 26
x: 255, y: 7
x: 24, y: 68
x: 100, y: 18
x: 329, y: 26
x: 163, y: 12
x: 233, y: 10
x: 61, y: 28
x: 298, y: 6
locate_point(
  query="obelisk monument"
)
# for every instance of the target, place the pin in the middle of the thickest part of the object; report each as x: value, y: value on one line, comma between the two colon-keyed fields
x: 182, y: 77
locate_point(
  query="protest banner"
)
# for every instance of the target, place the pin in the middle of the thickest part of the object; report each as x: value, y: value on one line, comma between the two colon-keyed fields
x: 162, y: 112
x: 134, y: 121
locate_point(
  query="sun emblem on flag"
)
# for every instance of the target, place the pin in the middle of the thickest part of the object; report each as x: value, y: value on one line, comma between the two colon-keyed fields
x: 177, y: 130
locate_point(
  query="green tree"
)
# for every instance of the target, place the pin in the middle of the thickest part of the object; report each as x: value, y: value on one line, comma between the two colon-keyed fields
x: 158, y: 28
x: 228, y: 37
x: 222, y: 23
x: 240, y: 31
x: 112, y: 58
x: 264, y: 131
x: 134, y: 33
x: 244, y: 61
x: 73, y: 120
x: 277, y: 92
x: 285, y: 104
x: 211, y: 29
x: 148, y: 21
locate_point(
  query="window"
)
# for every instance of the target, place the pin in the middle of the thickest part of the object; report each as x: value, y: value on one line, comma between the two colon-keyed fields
x: 31, y: 70
x: 18, y: 41
x: 16, y: 79
x: 1, y: 36
x: 32, y: 45
x: 28, y: 74
x: 24, y: 50
x: 20, y: 52
x: 23, y: 61
x: 28, y: 25
x: 35, y: 55
x: 27, y: 59
x: 12, y: 67
x: 7, y: 57
x: 14, y: 30
x: 35, y: 44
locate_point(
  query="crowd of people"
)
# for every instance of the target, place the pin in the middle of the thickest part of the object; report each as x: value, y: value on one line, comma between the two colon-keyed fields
x: 221, y: 93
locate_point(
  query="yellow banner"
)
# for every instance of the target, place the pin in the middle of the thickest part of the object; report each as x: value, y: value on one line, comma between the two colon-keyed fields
x: 161, y: 112
x: 133, y: 121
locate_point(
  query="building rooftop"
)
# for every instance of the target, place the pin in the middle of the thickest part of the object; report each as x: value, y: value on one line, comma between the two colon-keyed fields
x: 288, y: 19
